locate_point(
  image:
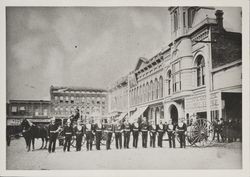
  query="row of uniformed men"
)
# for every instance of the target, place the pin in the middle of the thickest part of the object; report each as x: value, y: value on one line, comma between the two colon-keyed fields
x: 90, y: 130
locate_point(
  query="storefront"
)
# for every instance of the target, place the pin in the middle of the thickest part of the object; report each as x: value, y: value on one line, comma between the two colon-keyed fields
x: 195, y: 106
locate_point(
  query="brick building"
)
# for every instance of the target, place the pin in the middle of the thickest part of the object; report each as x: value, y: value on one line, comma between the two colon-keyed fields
x: 197, y: 75
x: 91, y: 102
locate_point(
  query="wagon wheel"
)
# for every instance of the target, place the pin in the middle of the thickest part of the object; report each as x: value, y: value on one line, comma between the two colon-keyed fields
x: 201, y: 133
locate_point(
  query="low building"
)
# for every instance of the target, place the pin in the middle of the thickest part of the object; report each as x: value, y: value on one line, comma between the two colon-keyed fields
x: 91, y: 102
x: 37, y: 111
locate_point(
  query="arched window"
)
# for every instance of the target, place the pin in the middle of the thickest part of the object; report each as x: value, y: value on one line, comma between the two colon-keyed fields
x: 161, y: 87
x: 156, y: 89
x: 147, y: 91
x: 200, y: 71
x: 169, y: 82
x: 143, y: 93
x: 151, y: 88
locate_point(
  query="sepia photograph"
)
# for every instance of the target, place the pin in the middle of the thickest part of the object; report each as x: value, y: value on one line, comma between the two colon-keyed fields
x: 124, y: 88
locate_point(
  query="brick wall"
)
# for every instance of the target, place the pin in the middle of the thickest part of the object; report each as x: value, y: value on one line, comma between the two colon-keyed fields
x: 227, y: 48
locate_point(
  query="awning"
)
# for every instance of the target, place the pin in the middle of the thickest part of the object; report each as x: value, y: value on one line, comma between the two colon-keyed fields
x: 137, y: 114
x: 122, y: 115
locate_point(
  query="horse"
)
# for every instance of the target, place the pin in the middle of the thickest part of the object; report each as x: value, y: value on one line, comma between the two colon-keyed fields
x: 31, y: 131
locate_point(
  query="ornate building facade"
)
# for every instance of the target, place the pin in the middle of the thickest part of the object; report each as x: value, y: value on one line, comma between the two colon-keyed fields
x: 118, y: 98
x: 198, y: 75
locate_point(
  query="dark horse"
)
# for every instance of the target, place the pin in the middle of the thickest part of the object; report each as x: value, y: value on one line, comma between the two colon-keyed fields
x: 31, y: 131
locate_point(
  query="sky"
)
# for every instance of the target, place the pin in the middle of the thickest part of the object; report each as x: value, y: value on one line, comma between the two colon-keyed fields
x: 82, y: 46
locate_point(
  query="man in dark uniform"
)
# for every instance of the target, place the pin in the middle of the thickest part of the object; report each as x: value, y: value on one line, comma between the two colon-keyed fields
x: 135, y: 130
x: 230, y: 130
x: 89, y: 131
x: 181, y: 129
x: 160, y: 132
x: 67, y: 133
x: 53, y: 130
x: 118, y: 129
x: 170, y: 129
x: 127, y: 131
x: 109, y: 130
x: 78, y: 131
x: 152, y: 132
x: 216, y: 129
x: 144, y: 131
x: 8, y: 135
x: 221, y: 129
x: 98, y: 134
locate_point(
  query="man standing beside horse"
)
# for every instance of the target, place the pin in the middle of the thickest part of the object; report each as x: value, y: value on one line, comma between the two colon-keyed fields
x: 53, y: 130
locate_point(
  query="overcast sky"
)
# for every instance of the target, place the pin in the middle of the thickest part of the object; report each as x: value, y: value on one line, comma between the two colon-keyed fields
x: 85, y: 46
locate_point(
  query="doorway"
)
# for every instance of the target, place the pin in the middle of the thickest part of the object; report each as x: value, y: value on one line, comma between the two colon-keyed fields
x: 174, y: 114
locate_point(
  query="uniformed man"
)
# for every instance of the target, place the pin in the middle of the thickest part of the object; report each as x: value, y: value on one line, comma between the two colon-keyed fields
x: 89, y: 132
x: 152, y: 132
x: 109, y: 130
x: 160, y: 132
x: 135, y: 130
x: 67, y: 133
x: 170, y: 129
x: 98, y: 134
x: 118, y: 129
x: 216, y: 129
x: 230, y: 130
x: 181, y: 129
x: 144, y: 131
x: 127, y: 131
x: 221, y: 129
x: 53, y: 131
x: 78, y: 131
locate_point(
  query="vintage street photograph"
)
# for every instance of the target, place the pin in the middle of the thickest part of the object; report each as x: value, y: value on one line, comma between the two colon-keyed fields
x: 124, y: 88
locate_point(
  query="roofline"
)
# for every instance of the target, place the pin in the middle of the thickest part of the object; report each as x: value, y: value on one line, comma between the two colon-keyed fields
x: 77, y: 88
x: 29, y: 101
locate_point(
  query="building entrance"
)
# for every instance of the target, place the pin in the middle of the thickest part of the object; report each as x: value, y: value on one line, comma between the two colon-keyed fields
x: 174, y: 114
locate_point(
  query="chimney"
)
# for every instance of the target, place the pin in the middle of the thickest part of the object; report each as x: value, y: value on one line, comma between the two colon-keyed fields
x: 219, y: 19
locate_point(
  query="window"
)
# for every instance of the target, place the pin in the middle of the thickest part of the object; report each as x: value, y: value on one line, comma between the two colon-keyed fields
x: 177, y: 83
x: 36, y: 112
x: 156, y: 86
x: 161, y: 87
x: 191, y: 13
x: 72, y: 99
x: 175, y: 21
x: 184, y: 19
x: 169, y: 82
x: 45, y: 112
x: 61, y: 99
x: 200, y: 71
x: 13, y: 109
x: 22, y: 108
x: 66, y: 99
x: 151, y: 91
x: 176, y: 77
